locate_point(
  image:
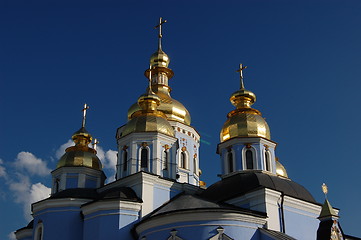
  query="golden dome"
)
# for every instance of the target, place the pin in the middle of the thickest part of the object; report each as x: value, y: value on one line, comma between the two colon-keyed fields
x: 146, y: 118
x: 280, y: 169
x: 159, y: 59
x: 244, y: 121
x: 173, y: 109
x: 80, y: 155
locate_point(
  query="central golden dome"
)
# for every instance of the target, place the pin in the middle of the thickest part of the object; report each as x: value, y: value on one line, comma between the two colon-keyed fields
x: 148, y: 118
x: 244, y: 121
x: 160, y: 74
x: 173, y: 109
x: 80, y: 155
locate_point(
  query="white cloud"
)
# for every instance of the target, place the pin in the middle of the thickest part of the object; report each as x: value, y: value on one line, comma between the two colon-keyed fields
x: 38, y: 192
x: 2, y: 169
x: 109, y: 161
x: 61, y: 150
x: 34, y: 165
x: 100, y: 154
x: 11, y: 236
x: 26, y: 193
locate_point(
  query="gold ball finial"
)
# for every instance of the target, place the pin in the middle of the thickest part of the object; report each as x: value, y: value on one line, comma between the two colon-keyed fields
x: 324, y: 189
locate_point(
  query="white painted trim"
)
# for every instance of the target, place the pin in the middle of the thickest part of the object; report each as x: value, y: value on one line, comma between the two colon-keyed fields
x: 197, y: 225
x: 270, y: 160
x: 110, y: 205
x: 254, y: 158
x: 302, y: 205
x: 186, y: 154
x: 140, y: 158
x: 141, y: 178
x: 198, y: 215
x: 55, y: 211
x: 55, y: 203
x: 110, y: 214
x: 39, y: 227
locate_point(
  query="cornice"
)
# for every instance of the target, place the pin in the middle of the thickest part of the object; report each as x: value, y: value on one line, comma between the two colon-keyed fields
x: 57, y: 203
x: 197, y: 215
x: 110, y: 205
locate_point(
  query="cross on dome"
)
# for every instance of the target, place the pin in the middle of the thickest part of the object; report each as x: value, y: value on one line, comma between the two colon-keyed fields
x: 96, y: 142
x: 240, y: 70
x: 159, y: 26
x: 86, y: 107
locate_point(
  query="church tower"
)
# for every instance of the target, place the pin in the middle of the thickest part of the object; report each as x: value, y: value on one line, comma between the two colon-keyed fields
x: 174, y: 150
x: 329, y: 228
x: 245, y: 137
x: 79, y: 167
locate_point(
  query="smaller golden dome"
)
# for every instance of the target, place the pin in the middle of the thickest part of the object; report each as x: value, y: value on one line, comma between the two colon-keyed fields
x: 243, y: 98
x: 280, y: 169
x: 159, y: 59
x: 80, y: 155
x: 244, y: 121
x: 148, y: 118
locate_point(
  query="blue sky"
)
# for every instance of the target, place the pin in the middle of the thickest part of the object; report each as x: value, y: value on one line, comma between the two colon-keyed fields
x: 303, y: 61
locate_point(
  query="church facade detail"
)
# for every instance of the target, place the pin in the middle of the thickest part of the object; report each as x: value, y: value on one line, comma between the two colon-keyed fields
x: 158, y: 193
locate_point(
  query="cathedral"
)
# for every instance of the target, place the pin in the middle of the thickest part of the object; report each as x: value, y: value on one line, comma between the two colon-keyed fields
x: 158, y: 193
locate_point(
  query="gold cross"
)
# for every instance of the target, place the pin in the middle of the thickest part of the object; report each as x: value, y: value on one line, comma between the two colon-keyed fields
x: 150, y: 91
x: 95, y: 144
x: 86, y: 107
x: 160, y: 31
x: 325, y: 189
x: 240, y: 70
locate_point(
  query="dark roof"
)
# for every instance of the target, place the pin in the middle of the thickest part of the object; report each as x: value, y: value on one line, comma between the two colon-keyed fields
x: 87, y: 193
x: 121, y: 193
x: 275, y: 235
x: 29, y: 226
x: 185, y: 202
x: 243, y: 182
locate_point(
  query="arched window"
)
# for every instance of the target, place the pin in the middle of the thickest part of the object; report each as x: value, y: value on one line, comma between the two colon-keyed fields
x: 125, y: 160
x: 144, y: 158
x: 183, y: 160
x: 195, y: 165
x: 249, y: 159
x: 165, y: 160
x: 39, y: 231
x: 230, y: 162
x: 267, y: 157
x: 57, y: 183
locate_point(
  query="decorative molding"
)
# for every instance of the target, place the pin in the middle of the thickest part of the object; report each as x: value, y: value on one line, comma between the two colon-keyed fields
x: 198, y: 215
x: 220, y: 235
x: 110, y: 205
x: 57, y: 203
x: 302, y: 205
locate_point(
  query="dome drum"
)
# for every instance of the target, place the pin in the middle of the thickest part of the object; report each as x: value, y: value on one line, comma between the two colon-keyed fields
x: 159, y: 69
